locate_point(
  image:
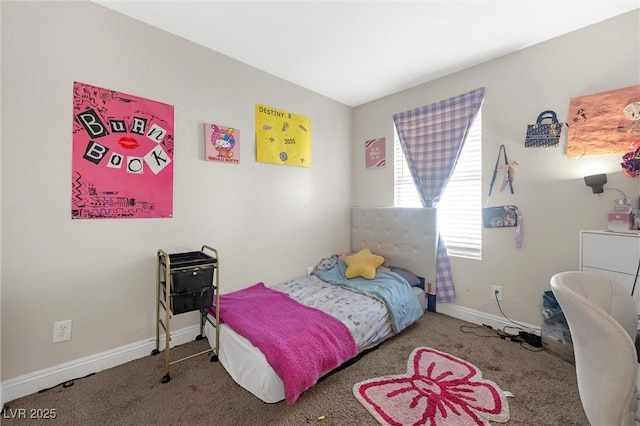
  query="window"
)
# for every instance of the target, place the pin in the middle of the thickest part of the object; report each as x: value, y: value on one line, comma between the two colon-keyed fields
x: 460, y: 207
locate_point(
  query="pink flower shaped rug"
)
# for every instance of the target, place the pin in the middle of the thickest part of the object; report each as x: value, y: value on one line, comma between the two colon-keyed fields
x: 438, y: 390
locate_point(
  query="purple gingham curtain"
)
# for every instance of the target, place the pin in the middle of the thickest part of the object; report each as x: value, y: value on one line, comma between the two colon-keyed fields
x: 432, y: 137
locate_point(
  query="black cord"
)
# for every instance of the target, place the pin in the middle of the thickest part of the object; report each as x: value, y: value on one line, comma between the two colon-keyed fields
x: 522, y: 337
x: 66, y: 384
x: 496, y: 333
x: 523, y: 327
x: 477, y: 327
x: 633, y: 289
x: 537, y: 349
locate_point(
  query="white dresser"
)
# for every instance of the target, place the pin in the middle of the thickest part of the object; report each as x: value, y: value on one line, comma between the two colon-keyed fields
x: 615, y: 255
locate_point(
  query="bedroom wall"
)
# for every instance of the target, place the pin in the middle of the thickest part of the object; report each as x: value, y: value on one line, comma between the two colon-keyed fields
x: 550, y: 190
x: 1, y: 397
x: 268, y: 222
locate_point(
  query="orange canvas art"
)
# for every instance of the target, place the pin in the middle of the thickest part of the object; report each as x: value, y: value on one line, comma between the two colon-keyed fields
x: 606, y: 123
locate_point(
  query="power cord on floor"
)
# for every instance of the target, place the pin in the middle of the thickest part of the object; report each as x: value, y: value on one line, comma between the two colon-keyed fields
x: 493, y: 332
x: 524, y: 334
x: 66, y: 384
x: 526, y: 340
x: 479, y: 327
x: 520, y: 326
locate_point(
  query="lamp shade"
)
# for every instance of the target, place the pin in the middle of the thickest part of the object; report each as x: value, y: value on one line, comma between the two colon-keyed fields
x: 596, y: 182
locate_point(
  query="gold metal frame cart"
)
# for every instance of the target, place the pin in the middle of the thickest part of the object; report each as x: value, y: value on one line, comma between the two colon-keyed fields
x: 186, y: 282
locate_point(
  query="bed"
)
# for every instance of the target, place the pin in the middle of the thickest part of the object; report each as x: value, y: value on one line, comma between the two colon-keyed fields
x: 405, y: 237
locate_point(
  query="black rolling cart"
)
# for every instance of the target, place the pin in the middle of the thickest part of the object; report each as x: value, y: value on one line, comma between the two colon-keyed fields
x: 186, y: 282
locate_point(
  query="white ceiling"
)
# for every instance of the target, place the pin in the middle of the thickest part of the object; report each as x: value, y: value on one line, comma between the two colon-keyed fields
x: 359, y: 51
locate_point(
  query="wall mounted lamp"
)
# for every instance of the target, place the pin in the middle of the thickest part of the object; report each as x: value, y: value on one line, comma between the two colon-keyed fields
x: 597, y: 182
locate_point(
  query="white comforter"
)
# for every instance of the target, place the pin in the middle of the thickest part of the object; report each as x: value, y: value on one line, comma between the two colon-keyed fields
x: 366, y: 317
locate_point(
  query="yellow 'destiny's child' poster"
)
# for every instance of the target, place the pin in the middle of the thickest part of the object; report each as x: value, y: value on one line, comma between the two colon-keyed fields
x: 282, y: 137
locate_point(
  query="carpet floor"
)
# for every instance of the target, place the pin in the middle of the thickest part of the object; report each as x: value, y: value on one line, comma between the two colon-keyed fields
x: 202, y: 393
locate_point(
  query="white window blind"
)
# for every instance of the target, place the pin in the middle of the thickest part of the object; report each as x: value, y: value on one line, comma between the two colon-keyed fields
x: 460, y: 207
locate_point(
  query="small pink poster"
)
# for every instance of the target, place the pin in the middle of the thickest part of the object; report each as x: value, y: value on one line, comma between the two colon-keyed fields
x: 221, y: 143
x: 375, y: 153
x: 122, y: 159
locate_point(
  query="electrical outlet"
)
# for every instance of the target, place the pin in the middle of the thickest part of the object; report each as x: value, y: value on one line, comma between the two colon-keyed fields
x: 61, y: 331
x: 309, y: 270
x: 496, y: 289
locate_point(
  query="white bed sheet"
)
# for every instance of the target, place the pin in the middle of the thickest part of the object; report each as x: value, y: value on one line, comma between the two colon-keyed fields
x: 366, y: 317
x: 246, y: 364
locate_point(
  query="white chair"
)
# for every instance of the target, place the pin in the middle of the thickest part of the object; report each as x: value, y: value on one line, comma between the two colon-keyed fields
x: 603, y: 320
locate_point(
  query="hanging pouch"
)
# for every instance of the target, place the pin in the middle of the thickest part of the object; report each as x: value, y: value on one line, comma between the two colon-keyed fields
x: 504, y: 216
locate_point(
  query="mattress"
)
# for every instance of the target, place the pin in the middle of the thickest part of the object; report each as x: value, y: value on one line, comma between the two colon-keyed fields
x: 369, y: 323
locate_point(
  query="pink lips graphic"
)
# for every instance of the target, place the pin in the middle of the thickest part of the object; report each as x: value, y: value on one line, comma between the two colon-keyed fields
x: 128, y: 143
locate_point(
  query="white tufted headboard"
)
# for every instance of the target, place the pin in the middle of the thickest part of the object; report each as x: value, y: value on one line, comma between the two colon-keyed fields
x: 405, y: 237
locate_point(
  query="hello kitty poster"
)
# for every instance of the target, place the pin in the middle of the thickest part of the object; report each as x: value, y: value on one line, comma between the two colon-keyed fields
x: 221, y: 143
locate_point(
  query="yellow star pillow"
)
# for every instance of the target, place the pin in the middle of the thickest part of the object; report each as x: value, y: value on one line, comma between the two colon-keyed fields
x: 363, y: 264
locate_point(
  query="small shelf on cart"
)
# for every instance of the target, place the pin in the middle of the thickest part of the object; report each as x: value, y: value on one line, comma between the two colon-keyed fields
x: 188, y: 259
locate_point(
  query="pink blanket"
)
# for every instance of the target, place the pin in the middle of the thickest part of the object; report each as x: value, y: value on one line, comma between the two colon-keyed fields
x: 299, y: 342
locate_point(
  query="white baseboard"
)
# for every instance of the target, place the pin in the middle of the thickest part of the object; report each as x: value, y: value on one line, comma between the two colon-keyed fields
x: 482, y: 318
x: 33, y: 382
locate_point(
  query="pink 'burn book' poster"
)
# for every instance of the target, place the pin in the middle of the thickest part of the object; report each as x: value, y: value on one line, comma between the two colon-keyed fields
x: 122, y: 155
